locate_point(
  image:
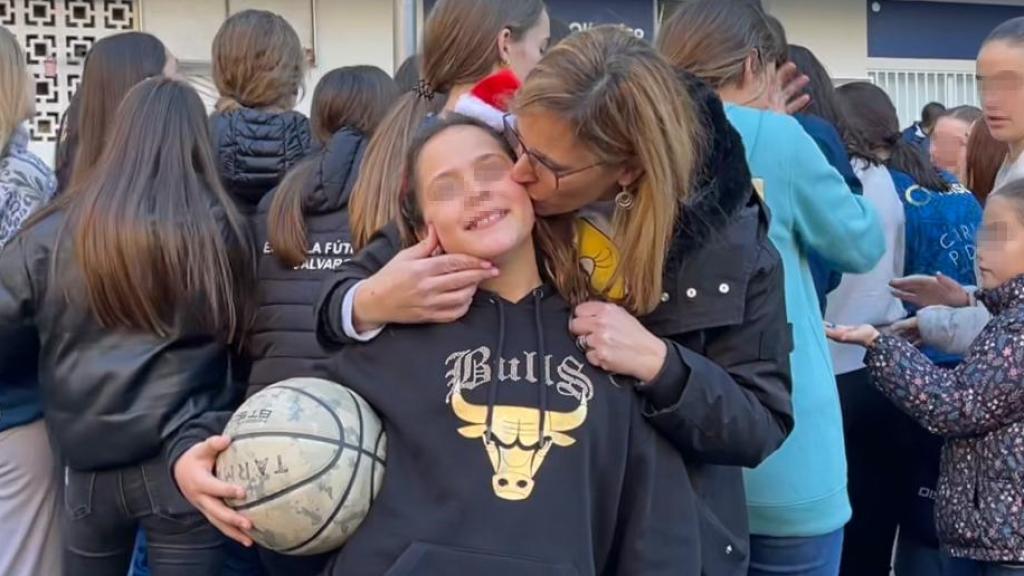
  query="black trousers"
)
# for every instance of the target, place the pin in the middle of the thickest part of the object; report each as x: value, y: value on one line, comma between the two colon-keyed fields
x: 893, y: 467
x: 102, y: 511
x: 280, y: 565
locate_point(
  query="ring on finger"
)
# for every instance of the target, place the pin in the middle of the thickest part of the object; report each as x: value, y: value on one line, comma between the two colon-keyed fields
x: 581, y: 342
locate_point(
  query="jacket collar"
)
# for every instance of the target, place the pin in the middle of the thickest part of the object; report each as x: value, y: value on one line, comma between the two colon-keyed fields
x: 723, y: 182
x: 1007, y: 296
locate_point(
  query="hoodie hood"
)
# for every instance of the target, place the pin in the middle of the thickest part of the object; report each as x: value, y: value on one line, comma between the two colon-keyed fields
x: 336, y: 169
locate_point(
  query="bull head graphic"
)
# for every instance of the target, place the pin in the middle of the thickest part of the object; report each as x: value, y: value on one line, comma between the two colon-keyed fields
x: 515, y: 444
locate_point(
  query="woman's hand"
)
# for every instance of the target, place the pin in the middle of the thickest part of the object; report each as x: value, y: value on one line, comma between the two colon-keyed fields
x: 864, y: 335
x: 194, y: 474
x: 786, y: 92
x: 418, y: 287
x: 616, y: 342
x: 923, y: 291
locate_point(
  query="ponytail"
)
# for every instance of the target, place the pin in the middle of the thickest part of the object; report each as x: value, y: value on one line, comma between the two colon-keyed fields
x: 375, y: 197
x: 286, y: 226
x: 906, y: 157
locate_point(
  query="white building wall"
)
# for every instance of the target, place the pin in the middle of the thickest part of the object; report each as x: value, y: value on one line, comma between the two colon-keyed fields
x: 835, y: 30
x: 347, y: 32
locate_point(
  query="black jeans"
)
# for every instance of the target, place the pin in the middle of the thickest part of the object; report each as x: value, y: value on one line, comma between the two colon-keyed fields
x: 880, y: 474
x: 102, y: 511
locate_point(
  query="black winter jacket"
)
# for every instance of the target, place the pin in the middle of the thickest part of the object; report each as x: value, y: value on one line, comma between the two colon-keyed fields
x: 111, y: 397
x: 282, y: 342
x: 255, y: 149
x: 727, y: 376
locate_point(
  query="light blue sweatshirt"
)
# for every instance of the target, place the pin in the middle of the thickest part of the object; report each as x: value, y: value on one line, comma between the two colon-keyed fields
x: 801, y: 489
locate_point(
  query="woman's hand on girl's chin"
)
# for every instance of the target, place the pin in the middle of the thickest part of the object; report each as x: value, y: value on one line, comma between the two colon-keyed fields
x: 864, y: 335
x: 419, y: 287
x: 617, y: 342
x: 193, y: 473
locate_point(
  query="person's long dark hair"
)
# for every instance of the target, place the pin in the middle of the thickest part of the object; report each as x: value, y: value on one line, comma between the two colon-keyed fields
x: 872, y: 115
x: 824, y: 105
x: 155, y: 235
x: 985, y: 156
x: 112, y: 67
x: 354, y: 97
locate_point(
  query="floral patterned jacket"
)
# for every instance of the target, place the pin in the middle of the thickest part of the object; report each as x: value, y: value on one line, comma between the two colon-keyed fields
x: 979, y: 408
x: 26, y: 184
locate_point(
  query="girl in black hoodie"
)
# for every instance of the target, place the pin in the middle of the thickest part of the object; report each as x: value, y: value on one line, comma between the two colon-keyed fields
x: 507, y: 452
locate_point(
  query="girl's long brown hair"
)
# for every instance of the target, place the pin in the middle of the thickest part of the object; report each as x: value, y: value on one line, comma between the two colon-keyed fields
x: 553, y: 236
x: 15, y: 97
x: 113, y: 66
x: 460, y: 46
x: 258, y: 62
x: 713, y: 40
x: 628, y: 108
x: 156, y: 237
x: 985, y: 155
x: 354, y: 97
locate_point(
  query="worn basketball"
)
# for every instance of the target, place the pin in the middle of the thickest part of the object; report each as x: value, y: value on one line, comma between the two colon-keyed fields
x: 310, y: 455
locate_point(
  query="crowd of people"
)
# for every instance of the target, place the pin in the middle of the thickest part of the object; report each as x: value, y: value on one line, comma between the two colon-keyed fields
x: 760, y: 328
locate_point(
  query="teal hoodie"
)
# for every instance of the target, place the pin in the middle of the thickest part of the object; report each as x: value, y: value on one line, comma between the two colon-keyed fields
x: 801, y: 489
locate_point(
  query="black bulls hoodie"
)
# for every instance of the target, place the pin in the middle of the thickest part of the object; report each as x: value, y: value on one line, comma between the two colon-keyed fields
x: 509, y: 454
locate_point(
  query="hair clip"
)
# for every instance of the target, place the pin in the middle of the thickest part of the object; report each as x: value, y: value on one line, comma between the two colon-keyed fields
x: 424, y: 90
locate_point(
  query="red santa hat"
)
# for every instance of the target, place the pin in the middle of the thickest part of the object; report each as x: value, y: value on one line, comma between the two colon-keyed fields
x: 489, y: 100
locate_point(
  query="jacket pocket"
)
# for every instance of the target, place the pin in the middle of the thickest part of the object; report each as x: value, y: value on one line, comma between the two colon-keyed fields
x: 78, y: 492
x: 423, y: 559
x: 722, y: 552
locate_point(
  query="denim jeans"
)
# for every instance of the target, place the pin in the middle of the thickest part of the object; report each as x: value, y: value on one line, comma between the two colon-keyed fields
x: 103, y: 511
x: 811, y: 556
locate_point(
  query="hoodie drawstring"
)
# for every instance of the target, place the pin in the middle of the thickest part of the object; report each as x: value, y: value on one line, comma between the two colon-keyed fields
x: 492, y: 393
x: 542, y: 358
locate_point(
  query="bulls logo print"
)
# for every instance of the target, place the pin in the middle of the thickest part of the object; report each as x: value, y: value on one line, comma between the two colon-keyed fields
x: 517, y: 439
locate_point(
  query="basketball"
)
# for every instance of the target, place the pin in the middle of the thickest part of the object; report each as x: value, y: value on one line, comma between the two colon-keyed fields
x: 310, y: 455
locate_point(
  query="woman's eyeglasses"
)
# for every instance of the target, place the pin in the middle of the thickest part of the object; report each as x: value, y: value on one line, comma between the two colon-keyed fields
x: 537, y: 163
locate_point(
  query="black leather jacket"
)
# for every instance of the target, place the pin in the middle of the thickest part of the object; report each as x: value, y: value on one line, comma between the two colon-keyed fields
x: 255, y: 149
x: 111, y: 397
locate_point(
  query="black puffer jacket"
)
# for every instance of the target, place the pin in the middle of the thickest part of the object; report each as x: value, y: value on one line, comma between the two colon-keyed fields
x: 283, y: 340
x: 111, y: 397
x: 727, y: 375
x: 255, y: 149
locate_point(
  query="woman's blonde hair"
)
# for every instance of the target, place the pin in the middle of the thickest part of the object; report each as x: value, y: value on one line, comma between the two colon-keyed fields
x: 459, y: 47
x: 15, y: 105
x: 629, y: 108
x: 258, y: 62
x: 712, y: 39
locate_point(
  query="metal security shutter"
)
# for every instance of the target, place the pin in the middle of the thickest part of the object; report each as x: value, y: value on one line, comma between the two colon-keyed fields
x: 911, y: 89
